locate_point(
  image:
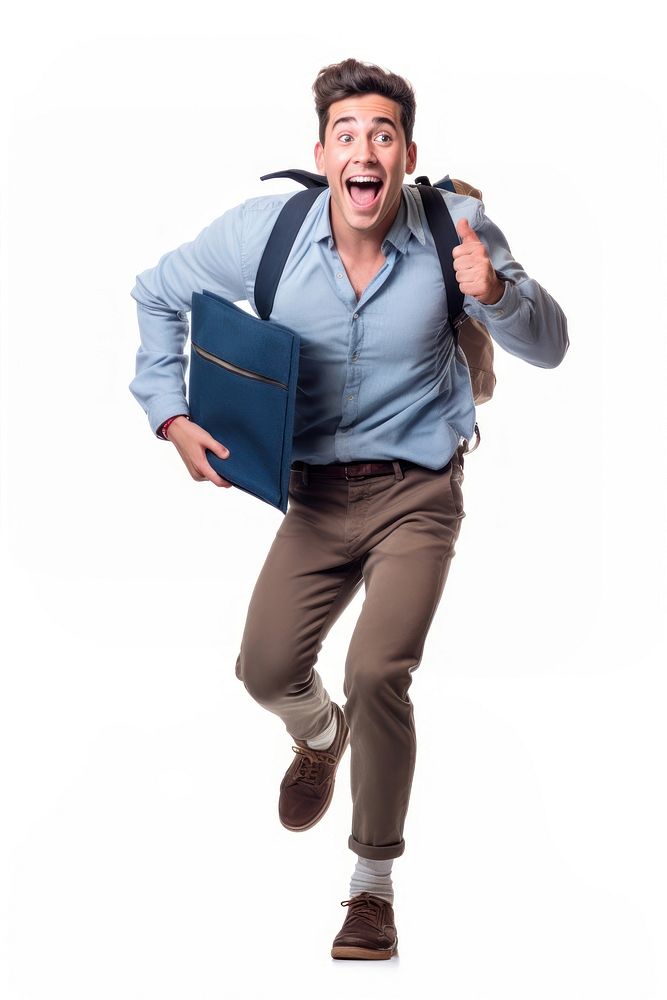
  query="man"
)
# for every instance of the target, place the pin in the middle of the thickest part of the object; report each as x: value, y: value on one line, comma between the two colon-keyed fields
x: 384, y: 414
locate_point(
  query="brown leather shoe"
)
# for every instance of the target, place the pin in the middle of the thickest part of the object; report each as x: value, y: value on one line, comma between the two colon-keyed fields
x: 368, y: 931
x: 307, y: 788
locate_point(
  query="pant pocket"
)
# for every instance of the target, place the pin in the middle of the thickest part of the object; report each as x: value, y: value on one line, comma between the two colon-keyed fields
x: 456, y: 487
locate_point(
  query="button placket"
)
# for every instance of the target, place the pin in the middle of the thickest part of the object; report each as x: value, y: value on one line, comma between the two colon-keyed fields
x: 351, y: 388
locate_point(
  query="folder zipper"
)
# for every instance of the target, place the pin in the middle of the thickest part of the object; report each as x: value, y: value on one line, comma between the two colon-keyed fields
x: 235, y: 368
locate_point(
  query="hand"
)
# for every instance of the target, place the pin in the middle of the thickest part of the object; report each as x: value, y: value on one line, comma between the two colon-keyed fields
x: 473, y: 268
x: 191, y: 442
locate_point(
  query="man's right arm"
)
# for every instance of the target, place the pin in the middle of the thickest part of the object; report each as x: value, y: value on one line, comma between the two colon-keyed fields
x: 212, y: 261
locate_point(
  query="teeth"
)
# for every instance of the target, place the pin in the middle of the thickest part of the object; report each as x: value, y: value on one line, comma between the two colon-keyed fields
x: 363, y: 178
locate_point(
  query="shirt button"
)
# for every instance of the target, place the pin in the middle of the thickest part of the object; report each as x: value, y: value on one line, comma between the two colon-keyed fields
x: 339, y: 274
x: 356, y: 316
x: 355, y: 355
x: 350, y: 397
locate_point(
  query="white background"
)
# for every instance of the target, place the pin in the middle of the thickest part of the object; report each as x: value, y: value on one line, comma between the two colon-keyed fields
x: 142, y: 852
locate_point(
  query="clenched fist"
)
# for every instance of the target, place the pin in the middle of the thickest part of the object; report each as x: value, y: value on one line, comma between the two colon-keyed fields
x: 474, y: 270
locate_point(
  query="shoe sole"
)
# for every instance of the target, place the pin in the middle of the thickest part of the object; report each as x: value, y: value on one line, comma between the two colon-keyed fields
x: 354, y: 951
x: 327, y: 801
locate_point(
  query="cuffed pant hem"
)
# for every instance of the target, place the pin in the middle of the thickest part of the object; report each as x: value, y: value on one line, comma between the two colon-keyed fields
x: 376, y: 853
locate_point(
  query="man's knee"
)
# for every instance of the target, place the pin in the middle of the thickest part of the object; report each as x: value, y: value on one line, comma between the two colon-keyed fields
x: 265, y: 672
x: 370, y: 675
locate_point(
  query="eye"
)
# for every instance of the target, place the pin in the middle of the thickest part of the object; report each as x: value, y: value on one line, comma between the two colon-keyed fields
x: 386, y: 135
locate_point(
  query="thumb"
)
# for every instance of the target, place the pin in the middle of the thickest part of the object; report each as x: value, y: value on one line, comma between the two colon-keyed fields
x: 466, y: 232
x: 217, y: 448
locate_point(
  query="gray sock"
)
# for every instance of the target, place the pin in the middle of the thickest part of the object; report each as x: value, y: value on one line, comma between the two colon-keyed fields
x: 373, y: 876
x: 324, y: 740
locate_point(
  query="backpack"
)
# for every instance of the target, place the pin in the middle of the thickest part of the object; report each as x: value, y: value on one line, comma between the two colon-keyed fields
x: 473, y: 343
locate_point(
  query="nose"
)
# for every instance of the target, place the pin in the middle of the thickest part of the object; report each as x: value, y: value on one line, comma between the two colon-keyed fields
x: 364, y: 153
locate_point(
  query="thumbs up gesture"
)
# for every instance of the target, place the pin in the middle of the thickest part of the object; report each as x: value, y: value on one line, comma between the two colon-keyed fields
x: 474, y: 271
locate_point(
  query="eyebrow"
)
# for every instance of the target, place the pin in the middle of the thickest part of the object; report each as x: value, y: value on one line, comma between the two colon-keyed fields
x: 375, y: 121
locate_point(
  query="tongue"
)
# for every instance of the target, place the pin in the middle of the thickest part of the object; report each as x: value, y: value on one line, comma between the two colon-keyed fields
x: 363, y: 194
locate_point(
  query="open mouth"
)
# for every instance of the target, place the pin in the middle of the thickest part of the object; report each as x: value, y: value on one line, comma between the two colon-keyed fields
x: 364, y: 193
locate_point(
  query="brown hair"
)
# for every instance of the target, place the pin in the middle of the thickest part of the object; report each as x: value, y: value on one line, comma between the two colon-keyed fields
x: 343, y: 79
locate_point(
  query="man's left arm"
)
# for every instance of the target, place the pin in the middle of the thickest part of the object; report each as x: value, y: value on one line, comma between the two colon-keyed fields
x: 517, y: 311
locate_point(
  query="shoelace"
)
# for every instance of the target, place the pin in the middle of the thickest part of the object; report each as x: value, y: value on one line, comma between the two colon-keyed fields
x: 365, y: 907
x: 311, y: 762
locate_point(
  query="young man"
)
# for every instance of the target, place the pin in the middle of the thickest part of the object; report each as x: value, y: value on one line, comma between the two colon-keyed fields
x: 384, y: 413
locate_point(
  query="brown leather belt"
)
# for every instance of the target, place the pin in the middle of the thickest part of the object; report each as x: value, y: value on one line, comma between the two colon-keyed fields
x: 354, y: 470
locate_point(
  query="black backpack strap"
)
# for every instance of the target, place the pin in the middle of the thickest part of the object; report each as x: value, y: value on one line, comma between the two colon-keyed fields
x: 279, y: 244
x: 446, y: 238
x: 304, y: 177
x: 445, y: 182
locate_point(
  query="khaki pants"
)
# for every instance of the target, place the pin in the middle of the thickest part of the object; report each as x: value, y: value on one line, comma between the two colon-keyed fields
x: 395, y: 532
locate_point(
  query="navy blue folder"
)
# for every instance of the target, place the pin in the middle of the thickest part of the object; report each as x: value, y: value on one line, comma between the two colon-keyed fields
x: 242, y: 390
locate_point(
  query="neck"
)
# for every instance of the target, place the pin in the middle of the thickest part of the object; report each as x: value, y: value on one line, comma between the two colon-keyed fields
x: 359, y: 244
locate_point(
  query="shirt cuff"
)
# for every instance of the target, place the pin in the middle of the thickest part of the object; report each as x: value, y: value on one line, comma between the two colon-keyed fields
x: 506, y: 305
x: 166, y: 406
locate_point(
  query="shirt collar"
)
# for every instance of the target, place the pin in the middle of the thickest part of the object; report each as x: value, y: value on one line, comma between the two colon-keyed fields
x: 406, y: 224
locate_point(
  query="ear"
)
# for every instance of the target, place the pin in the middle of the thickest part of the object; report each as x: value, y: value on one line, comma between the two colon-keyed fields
x: 411, y: 158
x: 319, y: 156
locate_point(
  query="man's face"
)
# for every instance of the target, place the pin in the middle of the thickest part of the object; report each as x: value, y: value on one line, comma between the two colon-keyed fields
x: 363, y: 147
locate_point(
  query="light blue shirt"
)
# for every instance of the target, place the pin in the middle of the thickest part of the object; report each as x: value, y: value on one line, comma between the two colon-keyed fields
x: 375, y: 378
